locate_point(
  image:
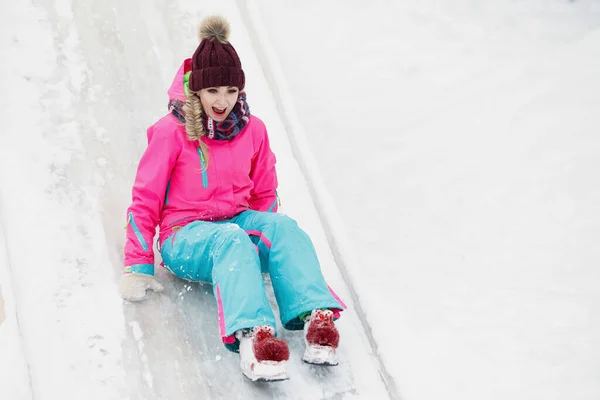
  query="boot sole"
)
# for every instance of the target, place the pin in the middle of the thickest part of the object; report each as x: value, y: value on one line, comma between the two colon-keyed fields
x: 322, y: 364
x: 267, y: 372
x: 265, y: 380
x: 320, y: 355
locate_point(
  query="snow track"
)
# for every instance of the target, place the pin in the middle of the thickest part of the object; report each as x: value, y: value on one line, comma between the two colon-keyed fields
x: 342, y: 250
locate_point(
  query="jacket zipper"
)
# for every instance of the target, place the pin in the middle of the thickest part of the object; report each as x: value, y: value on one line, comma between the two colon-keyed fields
x: 202, y: 165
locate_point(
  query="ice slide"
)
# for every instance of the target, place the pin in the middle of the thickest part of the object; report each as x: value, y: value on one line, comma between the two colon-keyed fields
x: 81, y: 82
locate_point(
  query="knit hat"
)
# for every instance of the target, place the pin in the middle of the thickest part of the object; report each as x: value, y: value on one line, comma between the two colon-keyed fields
x: 215, y: 61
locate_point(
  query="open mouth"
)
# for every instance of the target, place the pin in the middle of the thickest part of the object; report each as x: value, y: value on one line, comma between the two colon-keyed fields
x: 219, y: 112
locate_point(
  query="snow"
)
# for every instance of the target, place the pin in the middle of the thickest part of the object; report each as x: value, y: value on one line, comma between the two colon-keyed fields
x: 443, y: 156
x: 459, y: 143
x: 13, y: 369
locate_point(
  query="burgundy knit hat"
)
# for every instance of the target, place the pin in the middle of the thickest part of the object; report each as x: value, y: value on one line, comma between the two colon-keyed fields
x: 215, y: 61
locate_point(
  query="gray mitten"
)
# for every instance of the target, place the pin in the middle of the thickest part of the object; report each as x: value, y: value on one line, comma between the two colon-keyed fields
x: 133, y: 286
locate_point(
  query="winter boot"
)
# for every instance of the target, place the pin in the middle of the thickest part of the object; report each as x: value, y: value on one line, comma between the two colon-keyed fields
x: 263, y: 357
x: 321, y: 338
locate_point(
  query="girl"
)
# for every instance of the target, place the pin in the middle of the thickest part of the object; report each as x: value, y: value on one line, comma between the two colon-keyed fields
x: 208, y: 179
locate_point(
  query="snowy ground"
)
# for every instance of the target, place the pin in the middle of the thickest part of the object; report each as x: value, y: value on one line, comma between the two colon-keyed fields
x: 455, y: 171
x: 460, y: 143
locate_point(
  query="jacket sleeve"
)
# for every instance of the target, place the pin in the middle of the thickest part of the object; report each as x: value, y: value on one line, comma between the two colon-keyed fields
x: 148, y: 194
x: 263, y: 196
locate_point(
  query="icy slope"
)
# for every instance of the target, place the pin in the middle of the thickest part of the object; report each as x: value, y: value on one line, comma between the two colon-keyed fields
x: 83, y: 81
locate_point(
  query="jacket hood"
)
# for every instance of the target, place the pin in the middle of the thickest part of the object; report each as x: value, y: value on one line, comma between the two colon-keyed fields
x: 177, y: 89
x: 176, y: 93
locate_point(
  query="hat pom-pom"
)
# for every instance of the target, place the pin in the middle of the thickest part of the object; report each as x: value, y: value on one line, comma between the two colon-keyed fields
x: 214, y: 28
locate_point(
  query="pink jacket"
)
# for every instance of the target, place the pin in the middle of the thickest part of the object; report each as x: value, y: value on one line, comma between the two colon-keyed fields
x: 171, y: 189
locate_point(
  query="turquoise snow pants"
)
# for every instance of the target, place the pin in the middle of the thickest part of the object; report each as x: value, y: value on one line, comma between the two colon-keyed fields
x: 233, y: 254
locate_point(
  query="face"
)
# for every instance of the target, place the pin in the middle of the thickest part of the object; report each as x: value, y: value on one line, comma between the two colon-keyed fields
x: 219, y: 101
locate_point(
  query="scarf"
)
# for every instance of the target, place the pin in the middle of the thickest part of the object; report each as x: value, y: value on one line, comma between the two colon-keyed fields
x: 226, y: 130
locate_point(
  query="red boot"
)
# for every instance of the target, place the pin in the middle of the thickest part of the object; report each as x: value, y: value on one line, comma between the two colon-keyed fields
x: 268, y: 347
x: 263, y: 357
x: 321, y: 338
